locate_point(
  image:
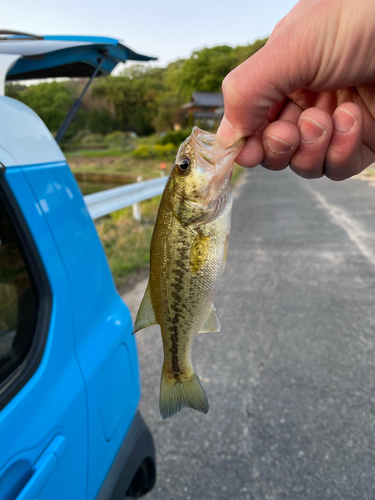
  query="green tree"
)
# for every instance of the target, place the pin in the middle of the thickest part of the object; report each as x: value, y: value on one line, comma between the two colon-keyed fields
x: 133, y: 96
x: 243, y: 52
x: 205, y: 70
x: 168, y: 105
x: 14, y: 89
x: 142, y: 99
x: 51, y: 101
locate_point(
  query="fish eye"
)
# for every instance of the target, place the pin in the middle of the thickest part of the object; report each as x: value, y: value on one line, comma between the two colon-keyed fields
x: 184, y: 165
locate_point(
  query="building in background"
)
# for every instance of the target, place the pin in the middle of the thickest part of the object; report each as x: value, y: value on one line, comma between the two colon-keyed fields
x: 205, y: 109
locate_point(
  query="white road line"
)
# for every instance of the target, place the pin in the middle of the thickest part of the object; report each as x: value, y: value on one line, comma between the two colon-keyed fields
x: 352, y: 227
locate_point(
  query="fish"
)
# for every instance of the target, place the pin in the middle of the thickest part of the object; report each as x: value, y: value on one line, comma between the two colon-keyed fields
x: 187, y: 256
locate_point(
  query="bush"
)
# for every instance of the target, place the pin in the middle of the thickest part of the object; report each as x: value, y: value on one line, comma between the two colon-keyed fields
x: 165, y: 152
x: 175, y: 137
x: 79, y: 136
x: 117, y: 137
x: 100, y: 121
x: 159, y: 151
x: 92, y: 139
x: 143, y: 152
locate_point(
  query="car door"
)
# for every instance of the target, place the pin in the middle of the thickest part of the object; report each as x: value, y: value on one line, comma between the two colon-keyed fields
x: 106, y: 349
x: 43, y: 409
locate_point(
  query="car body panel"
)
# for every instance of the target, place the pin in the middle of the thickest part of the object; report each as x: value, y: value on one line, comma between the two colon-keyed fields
x: 24, y: 137
x: 106, y: 348
x: 64, y: 434
x: 53, y: 401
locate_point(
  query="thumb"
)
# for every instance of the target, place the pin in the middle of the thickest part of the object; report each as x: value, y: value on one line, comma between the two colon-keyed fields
x: 262, y: 81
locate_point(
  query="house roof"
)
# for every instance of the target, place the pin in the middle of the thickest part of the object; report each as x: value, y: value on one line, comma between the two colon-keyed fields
x: 208, y: 115
x: 205, y: 99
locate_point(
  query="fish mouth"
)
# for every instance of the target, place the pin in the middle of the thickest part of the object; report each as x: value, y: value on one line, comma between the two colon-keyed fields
x: 207, y: 140
x: 218, y: 159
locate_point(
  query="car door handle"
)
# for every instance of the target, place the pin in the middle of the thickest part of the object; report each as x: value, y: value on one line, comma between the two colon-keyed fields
x: 43, y: 469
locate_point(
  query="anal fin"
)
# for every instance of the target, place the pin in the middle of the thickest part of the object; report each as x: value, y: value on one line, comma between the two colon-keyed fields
x: 146, y: 315
x: 211, y: 323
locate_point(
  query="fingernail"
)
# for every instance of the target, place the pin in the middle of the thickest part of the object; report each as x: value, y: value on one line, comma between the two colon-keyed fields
x: 311, y: 130
x: 226, y: 134
x: 277, y: 146
x: 343, y: 120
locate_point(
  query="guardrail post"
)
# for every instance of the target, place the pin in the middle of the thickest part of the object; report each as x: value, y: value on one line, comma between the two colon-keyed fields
x: 137, y: 215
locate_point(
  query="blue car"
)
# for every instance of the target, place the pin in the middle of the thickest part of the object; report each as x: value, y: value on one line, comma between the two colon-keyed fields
x: 69, y: 374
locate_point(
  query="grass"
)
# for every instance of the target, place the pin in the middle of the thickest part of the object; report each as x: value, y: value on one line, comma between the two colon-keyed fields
x: 127, y: 241
x: 94, y: 153
x: 237, y: 172
x: 104, y: 165
x: 370, y: 171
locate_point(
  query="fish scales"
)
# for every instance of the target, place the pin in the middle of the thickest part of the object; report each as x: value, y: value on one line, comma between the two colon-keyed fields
x: 183, y: 303
x: 188, y: 252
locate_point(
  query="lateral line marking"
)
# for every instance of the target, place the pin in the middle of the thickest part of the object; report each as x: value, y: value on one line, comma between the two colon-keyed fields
x: 352, y: 227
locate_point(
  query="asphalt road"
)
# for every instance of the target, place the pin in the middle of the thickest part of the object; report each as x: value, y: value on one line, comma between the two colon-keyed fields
x: 291, y: 376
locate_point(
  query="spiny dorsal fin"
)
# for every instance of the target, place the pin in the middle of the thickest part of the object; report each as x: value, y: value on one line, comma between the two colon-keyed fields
x: 146, y: 315
x: 211, y: 323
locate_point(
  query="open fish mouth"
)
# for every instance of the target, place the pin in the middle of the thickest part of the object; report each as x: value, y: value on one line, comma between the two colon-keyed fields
x: 220, y: 159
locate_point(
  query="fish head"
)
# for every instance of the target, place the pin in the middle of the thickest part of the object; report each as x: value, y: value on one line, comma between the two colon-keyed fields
x: 200, y: 177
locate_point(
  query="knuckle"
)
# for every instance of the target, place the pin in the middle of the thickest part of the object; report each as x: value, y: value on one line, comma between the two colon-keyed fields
x: 227, y: 85
x: 279, y: 26
x: 230, y: 90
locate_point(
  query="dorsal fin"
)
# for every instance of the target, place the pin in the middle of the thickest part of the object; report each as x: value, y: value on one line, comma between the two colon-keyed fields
x: 211, y: 323
x: 146, y: 315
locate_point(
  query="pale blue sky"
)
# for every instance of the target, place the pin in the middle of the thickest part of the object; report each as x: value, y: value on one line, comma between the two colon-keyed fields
x: 167, y: 29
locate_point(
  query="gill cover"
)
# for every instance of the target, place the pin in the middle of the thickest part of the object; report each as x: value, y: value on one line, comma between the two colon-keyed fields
x: 200, y: 176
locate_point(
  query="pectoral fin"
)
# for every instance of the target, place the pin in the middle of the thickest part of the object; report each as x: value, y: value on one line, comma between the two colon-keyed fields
x: 146, y: 315
x: 211, y: 323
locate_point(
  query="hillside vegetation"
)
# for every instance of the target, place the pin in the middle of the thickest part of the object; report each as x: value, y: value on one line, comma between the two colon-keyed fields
x: 116, y: 137
x: 143, y: 99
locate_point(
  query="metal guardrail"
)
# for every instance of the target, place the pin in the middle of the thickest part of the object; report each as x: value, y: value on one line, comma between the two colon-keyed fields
x: 105, y: 202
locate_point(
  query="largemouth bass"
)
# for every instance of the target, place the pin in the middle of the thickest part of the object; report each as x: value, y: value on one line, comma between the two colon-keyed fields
x: 188, y: 253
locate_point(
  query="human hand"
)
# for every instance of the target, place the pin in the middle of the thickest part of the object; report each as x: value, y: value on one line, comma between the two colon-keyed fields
x: 307, y: 98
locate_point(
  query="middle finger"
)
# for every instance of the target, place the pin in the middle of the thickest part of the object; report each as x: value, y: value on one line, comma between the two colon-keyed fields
x: 315, y: 128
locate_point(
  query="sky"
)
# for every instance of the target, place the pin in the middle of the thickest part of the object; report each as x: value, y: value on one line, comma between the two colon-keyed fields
x: 167, y: 29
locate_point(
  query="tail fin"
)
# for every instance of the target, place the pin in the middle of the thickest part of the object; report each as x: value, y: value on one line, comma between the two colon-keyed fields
x: 175, y: 395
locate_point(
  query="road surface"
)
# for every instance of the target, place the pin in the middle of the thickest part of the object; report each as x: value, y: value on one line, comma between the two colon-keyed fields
x: 291, y: 376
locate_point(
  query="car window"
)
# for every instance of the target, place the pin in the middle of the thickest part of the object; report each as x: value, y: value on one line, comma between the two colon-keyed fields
x: 18, y: 300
